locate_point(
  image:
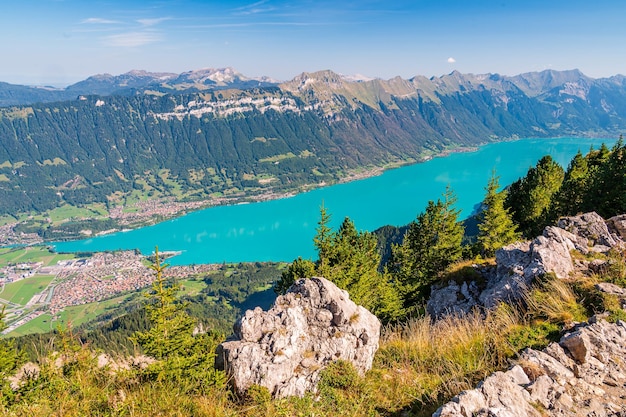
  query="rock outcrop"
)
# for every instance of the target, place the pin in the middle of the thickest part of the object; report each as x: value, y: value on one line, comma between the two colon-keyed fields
x: 520, y: 263
x: 285, y: 348
x: 582, y: 375
x: 617, y: 225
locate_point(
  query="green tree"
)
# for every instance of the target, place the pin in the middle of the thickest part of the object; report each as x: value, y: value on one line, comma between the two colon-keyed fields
x: 495, y: 225
x: 529, y: 198
x: 350, y: 259
x: 612, y: 182
x: 300, y: 268
x: 323, y: 241
x: 10, y: 359
x: 430, y: 245
x: 574, y: 191
x: 181, y: 356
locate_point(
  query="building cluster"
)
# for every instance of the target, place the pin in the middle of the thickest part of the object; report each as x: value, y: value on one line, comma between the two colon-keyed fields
x: 82, y: 281
x: 164, y: 208
x: 8, y: 236
x: 16, y: 272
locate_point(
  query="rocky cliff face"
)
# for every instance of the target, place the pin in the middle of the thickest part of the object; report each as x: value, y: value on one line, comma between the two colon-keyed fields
x: 520, y: 263
x: 284, y: 349
x: 582, y: 375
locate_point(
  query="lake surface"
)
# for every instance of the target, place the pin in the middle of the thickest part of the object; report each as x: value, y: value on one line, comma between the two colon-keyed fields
x: 282, y: 230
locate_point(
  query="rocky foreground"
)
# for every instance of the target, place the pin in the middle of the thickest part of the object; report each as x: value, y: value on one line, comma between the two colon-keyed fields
x: 582, y: 375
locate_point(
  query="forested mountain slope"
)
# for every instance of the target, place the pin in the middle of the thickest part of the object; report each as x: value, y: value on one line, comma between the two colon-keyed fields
x: 312, y: 129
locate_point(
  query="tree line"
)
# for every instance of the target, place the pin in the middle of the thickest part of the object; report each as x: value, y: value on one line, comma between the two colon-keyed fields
x: 435, y: 239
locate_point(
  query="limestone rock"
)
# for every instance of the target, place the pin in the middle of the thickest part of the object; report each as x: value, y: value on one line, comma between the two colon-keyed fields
x: 593, y: 384
x: 453, y: 299
x: 519, y: 264
x: 617, y: 225
x: 284, y: 349
x: 609, y: 288
x: 590, y: 226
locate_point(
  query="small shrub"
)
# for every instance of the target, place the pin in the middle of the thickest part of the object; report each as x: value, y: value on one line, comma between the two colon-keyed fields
x: 340, y: 374
x: 258, y: 395
x: 616, y: 269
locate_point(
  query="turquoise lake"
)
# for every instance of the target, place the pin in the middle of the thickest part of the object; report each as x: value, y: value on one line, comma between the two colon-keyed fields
x: 282, y: 230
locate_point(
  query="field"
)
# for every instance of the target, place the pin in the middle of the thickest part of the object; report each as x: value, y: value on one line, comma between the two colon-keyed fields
x: 20, y: 292
x: 191, y: 287
x: 75, y: 316
x: 30, y: 254
x: 63, y: 213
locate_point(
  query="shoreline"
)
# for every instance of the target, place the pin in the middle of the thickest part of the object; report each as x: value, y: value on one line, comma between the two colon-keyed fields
x: 151, y: 212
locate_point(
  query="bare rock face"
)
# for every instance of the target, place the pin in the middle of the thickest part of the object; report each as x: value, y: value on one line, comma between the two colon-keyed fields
x: 582, y: 375
x: 590, y: 226
x: 617, y: 225
x: 520, y: 263
x: 284, y: 349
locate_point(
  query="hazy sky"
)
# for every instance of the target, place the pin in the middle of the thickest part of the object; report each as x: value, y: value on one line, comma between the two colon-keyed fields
x: 58, y: 42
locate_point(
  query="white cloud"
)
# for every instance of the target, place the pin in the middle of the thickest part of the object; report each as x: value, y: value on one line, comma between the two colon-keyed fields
x: 253, y: 8
x: 99, y: 21
x: 152, y: 22
x: 451, y: 60
x: 132, y: 39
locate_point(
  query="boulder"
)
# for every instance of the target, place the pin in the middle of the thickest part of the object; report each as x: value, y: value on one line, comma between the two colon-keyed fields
x: 590, y: 226
x: 586, y: 378
x: 617, y: 225
x: 520, y: 263
x: 284, y: 349
x: 452, y: 298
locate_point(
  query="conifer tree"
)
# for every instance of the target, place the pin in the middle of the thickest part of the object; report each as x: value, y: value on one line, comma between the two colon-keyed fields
x: 530, y: 197
x: 10, y: 359
x: 573, y: 195
x: 323, y: 241
x: 496, y: 227
x: 350, y: 259
x: 181, y: 356
x: 299, y: 268
x: 612, y: 178
x: 430, y: 245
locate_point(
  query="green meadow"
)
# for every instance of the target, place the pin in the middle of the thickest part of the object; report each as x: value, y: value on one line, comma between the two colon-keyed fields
x: 20, y: 292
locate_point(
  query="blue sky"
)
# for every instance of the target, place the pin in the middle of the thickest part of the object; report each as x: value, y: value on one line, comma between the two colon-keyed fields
x: 58, y: 42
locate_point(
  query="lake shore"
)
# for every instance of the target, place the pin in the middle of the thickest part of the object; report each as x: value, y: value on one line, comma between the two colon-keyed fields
x: 152, y: 211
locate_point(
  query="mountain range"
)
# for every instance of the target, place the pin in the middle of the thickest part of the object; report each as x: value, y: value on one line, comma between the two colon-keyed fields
x: 215, y: 132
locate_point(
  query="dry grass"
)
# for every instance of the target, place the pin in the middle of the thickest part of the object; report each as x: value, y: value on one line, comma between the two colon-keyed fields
x: 422, y: 362
x: 555, y: 300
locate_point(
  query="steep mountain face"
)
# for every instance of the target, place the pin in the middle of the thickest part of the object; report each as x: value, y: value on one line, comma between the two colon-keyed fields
x: 312, y: 129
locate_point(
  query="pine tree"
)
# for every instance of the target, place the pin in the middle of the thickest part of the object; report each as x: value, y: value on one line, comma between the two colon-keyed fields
x: 350, y: 259
x: 10, y: 359
x: 529, y: 198
x: 323, y: 241
x: 612, y: 177
x: 573, y: 195
x: 181, y: 356
x: 496, y: 227
x: 300, y: 268
x: 430, y: 245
